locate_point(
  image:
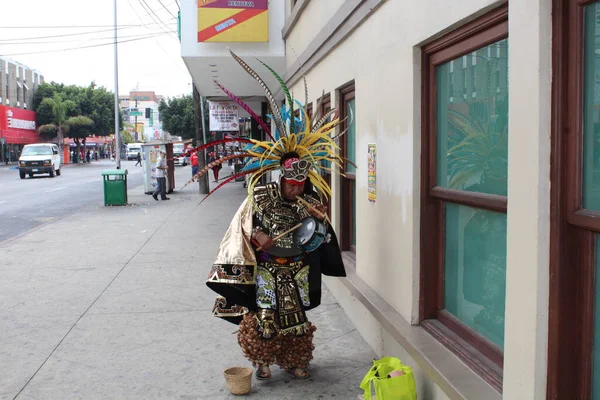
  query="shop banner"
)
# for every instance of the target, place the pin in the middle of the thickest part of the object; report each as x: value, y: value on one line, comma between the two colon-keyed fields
x: 18, y: 126
x: 223, y: 116
x: 233, y: 21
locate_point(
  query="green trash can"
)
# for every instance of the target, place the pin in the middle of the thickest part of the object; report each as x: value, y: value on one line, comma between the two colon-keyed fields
x: 115, y: 187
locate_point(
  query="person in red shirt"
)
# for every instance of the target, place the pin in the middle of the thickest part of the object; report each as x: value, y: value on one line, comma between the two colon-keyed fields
x: 194, y: 162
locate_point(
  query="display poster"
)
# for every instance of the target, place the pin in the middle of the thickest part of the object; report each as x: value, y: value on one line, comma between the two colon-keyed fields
x: 233, y: 21
x: 372, y: 172
x: 223, y: 116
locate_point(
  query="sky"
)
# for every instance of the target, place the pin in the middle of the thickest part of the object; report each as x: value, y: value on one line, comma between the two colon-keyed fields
x: 71, y: 42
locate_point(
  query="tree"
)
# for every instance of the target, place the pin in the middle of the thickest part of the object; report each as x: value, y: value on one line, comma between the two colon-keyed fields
x: 177, y: 116
x: 93, y: 102
x: 59, y: 108
x: 79, y: 128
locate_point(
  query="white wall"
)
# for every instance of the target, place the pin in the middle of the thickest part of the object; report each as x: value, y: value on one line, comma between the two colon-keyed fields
x: 388, y: 114
x: 383, y: 58
x: 528, y: 244
x: 315, y: 16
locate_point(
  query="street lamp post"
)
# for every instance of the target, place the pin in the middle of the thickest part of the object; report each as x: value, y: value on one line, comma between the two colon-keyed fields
x: 117, y: 133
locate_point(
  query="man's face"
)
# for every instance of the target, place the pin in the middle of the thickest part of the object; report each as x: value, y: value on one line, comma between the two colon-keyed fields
x: 289, y: 191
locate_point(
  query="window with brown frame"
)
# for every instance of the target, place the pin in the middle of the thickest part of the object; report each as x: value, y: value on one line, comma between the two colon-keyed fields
x: 347, y: 108
x: 464, y: 192
x: 325, y: 104
x: 574, y: 315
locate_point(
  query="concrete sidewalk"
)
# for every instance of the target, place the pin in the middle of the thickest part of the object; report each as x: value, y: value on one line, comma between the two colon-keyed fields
x: 110, y: 303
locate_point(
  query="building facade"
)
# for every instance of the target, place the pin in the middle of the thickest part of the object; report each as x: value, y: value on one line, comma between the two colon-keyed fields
x: 140, y: 109
x: 17, y: 84
x: 470, y: 228
x: 17, y: 125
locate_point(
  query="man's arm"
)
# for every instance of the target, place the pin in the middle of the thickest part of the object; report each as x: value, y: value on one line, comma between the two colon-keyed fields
x: 162, y: 165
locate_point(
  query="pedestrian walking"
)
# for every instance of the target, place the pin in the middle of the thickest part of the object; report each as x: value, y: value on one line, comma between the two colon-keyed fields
x: 161, y: 180
x: 194, y: 162
x: 139, y: 159
x: 87, y: 156
x: 217, y: 167
x: 269, y: 264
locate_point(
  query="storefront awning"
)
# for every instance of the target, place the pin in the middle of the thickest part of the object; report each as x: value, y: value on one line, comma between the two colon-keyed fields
x: 26, y: 87
x: 19, y: 84
x: 15, y: 137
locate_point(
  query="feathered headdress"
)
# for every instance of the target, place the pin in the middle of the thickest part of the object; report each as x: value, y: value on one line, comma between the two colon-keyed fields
x: 309, y: 139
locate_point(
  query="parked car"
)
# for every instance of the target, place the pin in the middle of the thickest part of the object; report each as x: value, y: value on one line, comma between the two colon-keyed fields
x: 39, y: 158
x: 181, y: 160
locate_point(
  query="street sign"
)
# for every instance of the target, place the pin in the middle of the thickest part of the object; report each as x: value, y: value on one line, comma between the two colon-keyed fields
x: 135, y: 113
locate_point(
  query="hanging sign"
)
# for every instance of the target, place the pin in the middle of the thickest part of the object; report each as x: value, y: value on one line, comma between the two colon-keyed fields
x: 223, y: 116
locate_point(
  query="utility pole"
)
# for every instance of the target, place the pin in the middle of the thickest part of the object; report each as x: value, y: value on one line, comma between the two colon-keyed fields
x: 117, y: 134
x: 136, y: 110
x: 200, y: 139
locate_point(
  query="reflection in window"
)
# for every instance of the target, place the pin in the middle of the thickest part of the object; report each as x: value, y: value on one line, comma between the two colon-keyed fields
x: 475, y: 269
x: 351, y: 135
x: 472, y: 129
x: 591, y: 111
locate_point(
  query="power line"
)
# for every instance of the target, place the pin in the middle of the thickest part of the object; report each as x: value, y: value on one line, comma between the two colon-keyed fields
x: 161, y: 3
x: 73, y: 34
x: 75, y: 40
x: 83, y: 47
x: 66, y: 26
x: 151, y: 12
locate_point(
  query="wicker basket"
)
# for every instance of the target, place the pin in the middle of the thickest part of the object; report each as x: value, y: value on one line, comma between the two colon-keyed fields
x: 239, y: 380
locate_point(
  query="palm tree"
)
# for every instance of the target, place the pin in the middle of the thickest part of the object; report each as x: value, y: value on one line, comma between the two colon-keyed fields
x: 60, y: 109
x: 79, y: 127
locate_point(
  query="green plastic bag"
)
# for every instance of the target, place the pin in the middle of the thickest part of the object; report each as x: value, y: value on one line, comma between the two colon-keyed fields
x: 386, y: 388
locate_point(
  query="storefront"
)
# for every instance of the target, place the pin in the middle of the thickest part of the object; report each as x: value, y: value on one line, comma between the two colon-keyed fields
x: 17, y: 128
x: 97, y: 146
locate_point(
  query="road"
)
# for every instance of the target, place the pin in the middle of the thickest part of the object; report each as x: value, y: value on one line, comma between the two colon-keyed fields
x: 27, y: 203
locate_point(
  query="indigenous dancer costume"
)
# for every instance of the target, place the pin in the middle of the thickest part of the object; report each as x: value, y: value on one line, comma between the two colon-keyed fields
x: 268, y: 268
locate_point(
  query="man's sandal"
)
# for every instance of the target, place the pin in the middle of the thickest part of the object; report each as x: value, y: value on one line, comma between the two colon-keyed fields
x: 263, y: 372
x: 299, y: 373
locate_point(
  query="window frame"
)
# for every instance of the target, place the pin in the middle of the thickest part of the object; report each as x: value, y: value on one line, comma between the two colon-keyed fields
x: 572, y: 227
x: 345, y: 94
x: 480, y: 354
x: 325, y: 105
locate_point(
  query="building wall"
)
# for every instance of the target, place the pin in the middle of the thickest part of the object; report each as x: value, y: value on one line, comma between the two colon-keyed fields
x: 3, y: 80
x: 22, y: 83
x: 314, y: 17
x: 382, y: 56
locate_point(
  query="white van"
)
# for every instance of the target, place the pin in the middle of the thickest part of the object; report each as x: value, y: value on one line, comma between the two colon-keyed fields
x: 39, y: 158
x: 133, y: 149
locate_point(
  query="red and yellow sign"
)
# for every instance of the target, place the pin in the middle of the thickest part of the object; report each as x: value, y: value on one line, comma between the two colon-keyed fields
x: 233, y: 20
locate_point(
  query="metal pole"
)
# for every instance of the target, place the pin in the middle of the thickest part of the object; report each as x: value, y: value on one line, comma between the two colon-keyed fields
x: 117, y: 134
x: 199, y: 114
x: 203, y: 122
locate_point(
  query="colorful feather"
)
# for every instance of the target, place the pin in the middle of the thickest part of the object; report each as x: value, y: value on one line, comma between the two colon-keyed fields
x: 305, y: 90
x: 285, y: 89
x: 274, y: 107
x: 226, y: 181
x: 212, y: 144
x: 248, y: 110
x: 323, y: 119
x: 213, y: 164
x: 319, y: 107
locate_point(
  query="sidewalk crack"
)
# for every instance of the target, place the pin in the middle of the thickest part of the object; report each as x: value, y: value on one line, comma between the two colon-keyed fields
x: 94, y: 302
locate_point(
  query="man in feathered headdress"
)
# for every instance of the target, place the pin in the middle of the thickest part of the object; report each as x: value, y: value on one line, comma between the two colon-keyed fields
x: 269, y: 264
